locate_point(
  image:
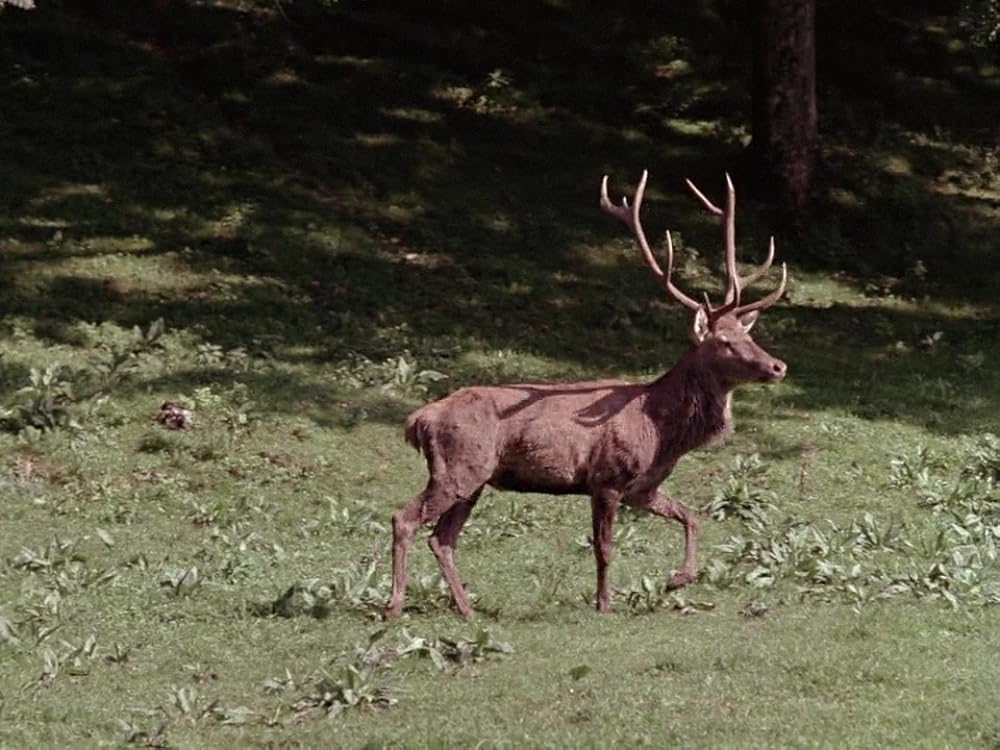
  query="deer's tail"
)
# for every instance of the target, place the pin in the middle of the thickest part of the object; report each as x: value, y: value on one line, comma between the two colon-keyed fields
x: 417, y: 430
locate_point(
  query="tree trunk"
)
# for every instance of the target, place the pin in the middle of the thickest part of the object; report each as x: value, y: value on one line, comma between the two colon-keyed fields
x: 785, y: 142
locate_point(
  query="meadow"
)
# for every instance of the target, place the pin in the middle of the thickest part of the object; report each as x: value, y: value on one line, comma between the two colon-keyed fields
x: 301, y: 221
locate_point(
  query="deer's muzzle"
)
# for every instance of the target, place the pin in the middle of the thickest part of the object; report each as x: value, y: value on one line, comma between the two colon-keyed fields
x: 776, y: 371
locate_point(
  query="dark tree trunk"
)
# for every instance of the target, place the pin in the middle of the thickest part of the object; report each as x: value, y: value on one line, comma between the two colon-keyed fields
x: 785, y: 141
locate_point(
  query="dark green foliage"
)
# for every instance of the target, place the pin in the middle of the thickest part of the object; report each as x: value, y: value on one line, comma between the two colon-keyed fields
x: 981, y: 19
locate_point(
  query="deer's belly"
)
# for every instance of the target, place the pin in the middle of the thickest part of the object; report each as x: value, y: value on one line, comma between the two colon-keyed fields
x: 505, y: 480
x: 531, y: 467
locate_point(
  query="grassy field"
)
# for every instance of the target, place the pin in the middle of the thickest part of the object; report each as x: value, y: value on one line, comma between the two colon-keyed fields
x: 301, y: 222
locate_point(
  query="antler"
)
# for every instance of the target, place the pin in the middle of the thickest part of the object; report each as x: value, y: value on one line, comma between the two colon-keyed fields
x: 630, y: 215
x: 735, y: 284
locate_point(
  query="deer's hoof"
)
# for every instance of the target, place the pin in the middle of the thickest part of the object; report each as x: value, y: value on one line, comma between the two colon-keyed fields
x: 679, y: 580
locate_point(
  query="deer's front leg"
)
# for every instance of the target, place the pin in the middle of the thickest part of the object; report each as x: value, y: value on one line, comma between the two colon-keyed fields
x: 661, y: 505
x: 603, y: 506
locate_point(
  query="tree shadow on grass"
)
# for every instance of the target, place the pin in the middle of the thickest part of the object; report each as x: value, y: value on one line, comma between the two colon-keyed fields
x: 401, y: 175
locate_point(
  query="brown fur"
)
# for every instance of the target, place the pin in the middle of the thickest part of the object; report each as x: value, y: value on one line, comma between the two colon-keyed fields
x: 612, y: 440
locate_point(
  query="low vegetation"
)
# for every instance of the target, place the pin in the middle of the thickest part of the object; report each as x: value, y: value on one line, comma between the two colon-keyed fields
x: 236, y: 250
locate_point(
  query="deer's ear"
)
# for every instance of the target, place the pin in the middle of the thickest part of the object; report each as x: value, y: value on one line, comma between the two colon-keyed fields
x: 700, y: 326
x: 748, y: 320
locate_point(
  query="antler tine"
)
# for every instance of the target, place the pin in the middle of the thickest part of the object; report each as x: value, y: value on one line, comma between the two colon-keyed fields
x: 709, y: 206
x: 751, y: 277
x: 769, y: 300
x: 744, y: 281
x: 732, y: 276
x: 734, y: 284
x: 630, y: 215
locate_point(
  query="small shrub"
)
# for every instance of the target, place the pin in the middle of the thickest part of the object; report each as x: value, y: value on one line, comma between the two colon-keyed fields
x: 159, y: 441
x: 742, y: 496
x: 650, y: 594
x: 399, y: 375
x: 913, y: 469
x: 359, y: 587
x: 46, y: 402
x: 456, y: 652
x: 983, y: 461
x: 356, y: 687
x: 114, y: 362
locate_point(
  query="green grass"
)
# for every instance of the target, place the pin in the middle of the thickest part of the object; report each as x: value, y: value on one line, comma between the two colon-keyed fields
x: 328, y: 210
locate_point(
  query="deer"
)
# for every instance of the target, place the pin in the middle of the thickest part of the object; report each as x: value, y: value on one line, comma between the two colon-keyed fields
x: 612, y: 440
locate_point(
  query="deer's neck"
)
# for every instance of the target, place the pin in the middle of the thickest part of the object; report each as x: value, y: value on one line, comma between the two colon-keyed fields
x: 691, y: 407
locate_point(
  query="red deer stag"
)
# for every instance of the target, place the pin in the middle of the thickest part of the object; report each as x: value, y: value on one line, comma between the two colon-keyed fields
x: 612, y: 440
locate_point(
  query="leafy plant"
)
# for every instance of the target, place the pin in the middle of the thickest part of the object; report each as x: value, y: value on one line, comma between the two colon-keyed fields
x: 56, y: 554
x: 187, y: 705
x: 952, y: 495
x: 870, y: 534
x: 406, y: 378
x: 550, y: 578
x: 231, y: 408
x: 359, y: 586
x: 49, y: 397
x: 742, y: 496
x: 429, y: 592
x: 187, y: 702
x: 133, y: 734
x: 399, y: 374
x: 69, y: 659
x: 456, y: 652
x: 113, y: 363
x: 180, y: 581
x: 983, y: 461
x: 914, y: 468
x: 792, y: 550
x: 355, y: 517
x: 519, y: 519
x: 357, y: 686
x: 650, y: 594
x: 8, y: 629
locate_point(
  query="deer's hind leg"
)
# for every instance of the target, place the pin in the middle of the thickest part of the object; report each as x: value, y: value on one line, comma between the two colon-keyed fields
x: 458, y: 437
x: 442, y: 543
x: 404, y: 525
x: 449, y: 505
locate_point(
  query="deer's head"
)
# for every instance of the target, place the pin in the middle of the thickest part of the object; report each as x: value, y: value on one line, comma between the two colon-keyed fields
x: 720, y: 334
x: 726, y: 349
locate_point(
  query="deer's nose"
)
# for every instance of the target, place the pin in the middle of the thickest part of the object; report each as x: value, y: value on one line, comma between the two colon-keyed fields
x: 778, y: 369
